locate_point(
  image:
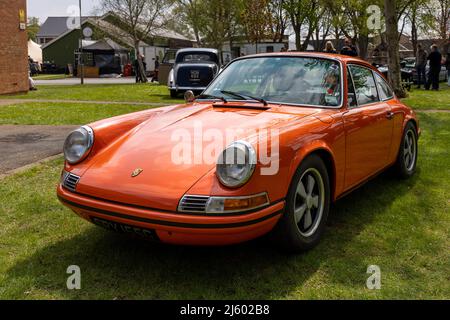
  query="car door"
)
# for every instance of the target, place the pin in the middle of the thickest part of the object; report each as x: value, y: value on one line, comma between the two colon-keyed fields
x: 368, y: 127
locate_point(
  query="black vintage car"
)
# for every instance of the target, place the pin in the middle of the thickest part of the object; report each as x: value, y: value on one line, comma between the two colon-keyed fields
x: 194, y: 69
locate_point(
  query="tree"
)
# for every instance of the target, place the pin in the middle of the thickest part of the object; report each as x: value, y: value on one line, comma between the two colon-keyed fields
x: 33, y: 27
x: 278, y: 19
x: 255, y: 19
x: 392, y: 34
x: 304, y: 14
x: 189, y: 13
x: 140, y: 19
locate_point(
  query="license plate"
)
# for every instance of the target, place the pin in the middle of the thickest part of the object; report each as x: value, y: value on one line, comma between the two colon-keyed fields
x: 195, y: 75
x: 147, y: 234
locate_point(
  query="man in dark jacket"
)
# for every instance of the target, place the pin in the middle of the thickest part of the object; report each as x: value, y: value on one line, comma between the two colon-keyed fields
x: 349, y: 49
x: 435, y: 59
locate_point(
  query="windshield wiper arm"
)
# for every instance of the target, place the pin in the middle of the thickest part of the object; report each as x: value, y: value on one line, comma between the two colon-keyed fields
x: 244, y: 96
x: 208, y: 96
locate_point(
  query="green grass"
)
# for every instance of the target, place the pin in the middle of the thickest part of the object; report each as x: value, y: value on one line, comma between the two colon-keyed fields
x: 51, y: 76
x: 420, y: 99
x: 98, y: 92
x: 35, y: 113
x: 401, y: 226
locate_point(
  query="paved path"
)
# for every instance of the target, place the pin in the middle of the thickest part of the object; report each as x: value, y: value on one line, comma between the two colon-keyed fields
x: 73, y: 81
x: 23, y: 145
x: 5, y: 102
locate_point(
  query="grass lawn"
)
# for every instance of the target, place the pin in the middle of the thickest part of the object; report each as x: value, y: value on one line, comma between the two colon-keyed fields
x: 62, y: 113
x: 401, y: 226
x: 51, y: 76
x: 420, y: 99
x: 99, y: 92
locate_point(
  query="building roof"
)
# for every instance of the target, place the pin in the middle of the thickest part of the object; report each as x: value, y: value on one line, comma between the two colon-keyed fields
x: 55, y: 26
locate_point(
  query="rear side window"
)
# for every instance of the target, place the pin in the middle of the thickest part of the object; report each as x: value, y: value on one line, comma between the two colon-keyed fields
x: 384, y: 89
x: 364, y: 83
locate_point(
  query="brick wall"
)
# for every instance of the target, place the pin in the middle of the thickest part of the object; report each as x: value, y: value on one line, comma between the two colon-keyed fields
x: 13, y: 48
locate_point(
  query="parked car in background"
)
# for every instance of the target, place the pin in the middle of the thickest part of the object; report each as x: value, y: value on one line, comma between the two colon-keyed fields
x: 194, y: 69
x: 409, y: 64
x: 406, y: 74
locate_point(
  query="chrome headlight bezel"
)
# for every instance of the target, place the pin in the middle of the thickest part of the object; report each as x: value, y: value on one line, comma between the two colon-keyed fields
x: 248, y: 152
x: 87, y: 143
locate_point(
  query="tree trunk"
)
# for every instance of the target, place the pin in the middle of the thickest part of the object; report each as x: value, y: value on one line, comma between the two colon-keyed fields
x: 414, y: 36
x: 298, y: 39
x: 140, y: 62
x: 390, y: 10
x: 363, y: 44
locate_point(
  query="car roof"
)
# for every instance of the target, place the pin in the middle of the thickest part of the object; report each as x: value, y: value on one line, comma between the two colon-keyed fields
x: 339, y: 57
x: 210, y: 50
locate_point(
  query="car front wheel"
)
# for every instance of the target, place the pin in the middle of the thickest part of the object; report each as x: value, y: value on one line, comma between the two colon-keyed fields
x: 307, y: 207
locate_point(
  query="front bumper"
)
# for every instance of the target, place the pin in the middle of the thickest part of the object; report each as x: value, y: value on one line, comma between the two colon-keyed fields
x: 176, y: 228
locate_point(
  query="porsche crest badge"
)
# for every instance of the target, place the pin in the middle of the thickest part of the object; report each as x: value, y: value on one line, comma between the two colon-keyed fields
x: 136, y: 172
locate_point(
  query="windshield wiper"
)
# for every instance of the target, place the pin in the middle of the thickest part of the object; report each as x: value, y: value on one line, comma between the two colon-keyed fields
x: 244, y: 96
x: 208, y: 96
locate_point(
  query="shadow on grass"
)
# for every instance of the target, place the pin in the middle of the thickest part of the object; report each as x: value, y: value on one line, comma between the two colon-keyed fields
x: 114, y: 266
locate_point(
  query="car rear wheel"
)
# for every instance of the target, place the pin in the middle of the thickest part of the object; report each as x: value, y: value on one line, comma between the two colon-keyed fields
x: 407, y: 156
x: 307, y: 207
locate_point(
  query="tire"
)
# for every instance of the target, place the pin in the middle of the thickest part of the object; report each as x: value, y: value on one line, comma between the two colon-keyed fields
x: 407, y: 156
x: 302, y: 231
x: 173, y: 94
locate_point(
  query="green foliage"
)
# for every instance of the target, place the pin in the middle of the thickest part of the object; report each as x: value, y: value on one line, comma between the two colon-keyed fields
x: 33, y: 27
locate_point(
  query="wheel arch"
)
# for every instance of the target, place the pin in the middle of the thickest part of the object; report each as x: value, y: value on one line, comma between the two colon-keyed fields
x: 325, y: 153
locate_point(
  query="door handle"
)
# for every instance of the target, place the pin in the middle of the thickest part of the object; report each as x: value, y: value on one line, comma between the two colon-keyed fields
x: 390, y: 115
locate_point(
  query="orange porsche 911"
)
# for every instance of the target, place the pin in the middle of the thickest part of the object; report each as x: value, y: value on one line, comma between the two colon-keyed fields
x: 266, y: 148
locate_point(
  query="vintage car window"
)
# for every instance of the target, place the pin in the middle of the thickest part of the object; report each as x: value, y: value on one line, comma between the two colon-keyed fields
x: 289, y: 80
x: 365, y: 87
x: 384, y: 89
x: 197, y: 58
x: 351, y: 91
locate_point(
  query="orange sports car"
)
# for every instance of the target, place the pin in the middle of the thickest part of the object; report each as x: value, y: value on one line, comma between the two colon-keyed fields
x: 267, y: 147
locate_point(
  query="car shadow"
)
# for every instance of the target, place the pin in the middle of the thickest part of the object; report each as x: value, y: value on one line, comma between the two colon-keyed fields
x: 118, y: 267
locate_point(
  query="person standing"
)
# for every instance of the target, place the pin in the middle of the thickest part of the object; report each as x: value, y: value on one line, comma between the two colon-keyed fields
x: 329, y: 48
x: 137, y: 71
x: 349, y: 49
x: 421, y: 64
x: 447, y: 62
x: 435, y: 58
x: 156, y: 75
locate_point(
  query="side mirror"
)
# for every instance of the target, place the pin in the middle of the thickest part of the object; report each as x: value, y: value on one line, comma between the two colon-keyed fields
x: 189, y: 96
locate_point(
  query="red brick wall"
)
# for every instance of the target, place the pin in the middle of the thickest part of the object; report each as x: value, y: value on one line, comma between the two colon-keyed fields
x: 13, y: 48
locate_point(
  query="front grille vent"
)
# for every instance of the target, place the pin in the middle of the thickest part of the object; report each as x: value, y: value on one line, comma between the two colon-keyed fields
x: 195, y: 204
x: 70, y: 182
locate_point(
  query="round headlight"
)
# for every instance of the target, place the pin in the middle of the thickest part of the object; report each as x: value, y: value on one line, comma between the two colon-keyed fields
x: 78, y: 144
x: 236, y: 164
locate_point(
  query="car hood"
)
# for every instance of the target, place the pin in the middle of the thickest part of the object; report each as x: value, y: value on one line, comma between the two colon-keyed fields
x: 151, y: 147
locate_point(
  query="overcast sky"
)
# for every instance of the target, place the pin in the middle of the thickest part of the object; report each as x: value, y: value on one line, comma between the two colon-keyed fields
x: 55, y: 8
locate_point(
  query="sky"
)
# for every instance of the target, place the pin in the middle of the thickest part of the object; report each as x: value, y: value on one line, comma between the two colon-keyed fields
x: 51, y: 8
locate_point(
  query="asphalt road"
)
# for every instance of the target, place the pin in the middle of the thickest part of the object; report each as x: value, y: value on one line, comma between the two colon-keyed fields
x: 24, y: 145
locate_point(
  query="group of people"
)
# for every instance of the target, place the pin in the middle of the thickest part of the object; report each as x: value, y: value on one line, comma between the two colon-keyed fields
x: 430, y: 80
x: 348, y: 49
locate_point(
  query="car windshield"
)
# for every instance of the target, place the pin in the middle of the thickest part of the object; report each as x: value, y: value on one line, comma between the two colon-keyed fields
x: 288, y: 80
